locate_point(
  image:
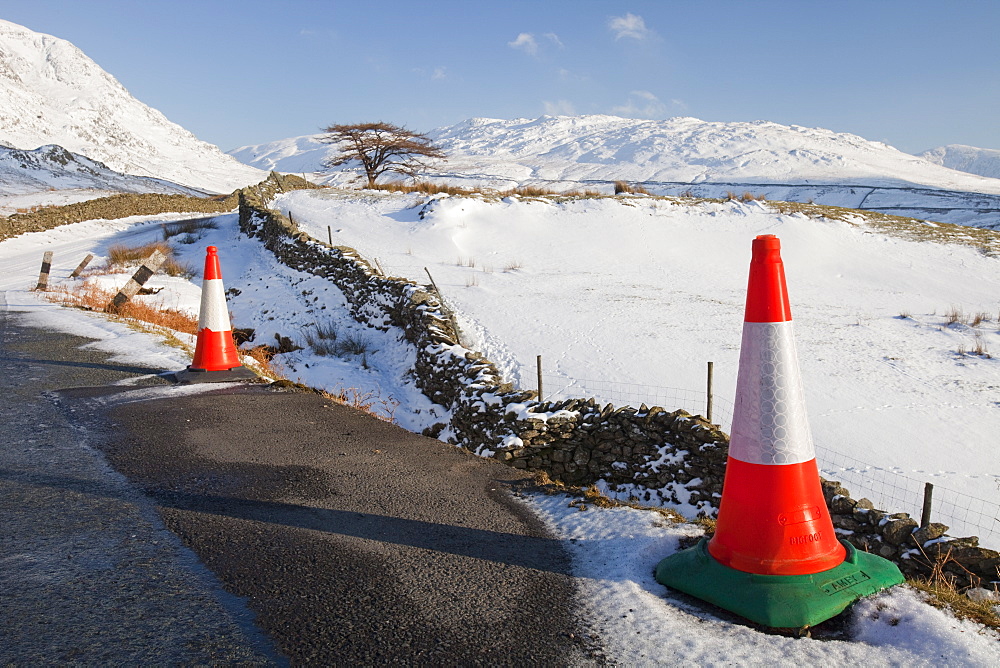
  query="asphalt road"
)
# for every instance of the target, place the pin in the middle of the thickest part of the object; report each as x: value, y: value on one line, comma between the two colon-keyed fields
x: 346, y: 540
x: 89, y: 575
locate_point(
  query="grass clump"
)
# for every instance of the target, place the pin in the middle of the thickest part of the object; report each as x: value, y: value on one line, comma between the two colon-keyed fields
x: 624, y: 188
x: 941, y: 591
x: 326, y: 340
x: 188, y: 231
x: 322, y: 338
x: 121, y: 257
x: 371, y: 402
x: 423, y: 187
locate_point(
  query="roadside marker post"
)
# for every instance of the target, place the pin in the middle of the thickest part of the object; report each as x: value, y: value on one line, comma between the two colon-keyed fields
x: 145, y: 271
x: 43, y: 274
x: 215, y: 356
x: 775, y: 558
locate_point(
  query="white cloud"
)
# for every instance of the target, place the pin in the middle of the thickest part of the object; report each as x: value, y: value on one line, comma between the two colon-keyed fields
x: 526, y: 42
x: 554, y: 38
x: 630, y: 26
x: 641, y: 104
x: 559, y: 108
x: 439, y: 73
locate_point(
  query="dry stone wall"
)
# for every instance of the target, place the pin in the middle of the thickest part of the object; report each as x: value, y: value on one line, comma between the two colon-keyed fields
x: 110, y: 208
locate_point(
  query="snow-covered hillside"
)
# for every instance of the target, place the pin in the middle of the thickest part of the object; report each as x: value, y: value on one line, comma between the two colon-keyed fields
x: 53, y: 168
x: 982, y: 161
x: 708, y: 159
x: 52, y: 93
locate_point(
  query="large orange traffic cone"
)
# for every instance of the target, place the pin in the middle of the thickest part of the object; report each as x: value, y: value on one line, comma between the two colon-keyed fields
x: 215, y: 354
x: 775, y: 558
x: 772, y: 481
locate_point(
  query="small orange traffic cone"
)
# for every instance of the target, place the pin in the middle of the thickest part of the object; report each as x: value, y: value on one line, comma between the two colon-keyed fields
x: 215, y: 355
x: 774, y: 558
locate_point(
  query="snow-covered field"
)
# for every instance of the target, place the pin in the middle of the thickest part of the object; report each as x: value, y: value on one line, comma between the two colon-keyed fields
x: 613, y: 550
x: 646, y: 292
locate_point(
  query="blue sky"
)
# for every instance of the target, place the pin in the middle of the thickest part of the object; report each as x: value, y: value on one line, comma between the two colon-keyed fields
x: 915, y: 74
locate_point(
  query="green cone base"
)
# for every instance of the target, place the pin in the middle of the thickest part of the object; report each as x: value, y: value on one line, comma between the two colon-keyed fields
x: 778, y: 601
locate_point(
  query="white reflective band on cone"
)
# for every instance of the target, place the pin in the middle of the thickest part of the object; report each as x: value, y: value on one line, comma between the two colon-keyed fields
x: 214, y: 314
x: 769, y: 423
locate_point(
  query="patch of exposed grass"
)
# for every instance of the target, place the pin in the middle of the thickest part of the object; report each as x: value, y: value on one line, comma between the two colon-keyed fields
x: 371, y: 402
x: 942, y: 592
x: 625, y: 188
x: 263, y: 360
x: 322, y: 338
x: 192, y: 230
x: 960, y: 605
x: 90, y: 297
x: 121, y: 257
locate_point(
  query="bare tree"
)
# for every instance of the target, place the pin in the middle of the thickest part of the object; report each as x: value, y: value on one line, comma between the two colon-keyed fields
x: 380, y: 148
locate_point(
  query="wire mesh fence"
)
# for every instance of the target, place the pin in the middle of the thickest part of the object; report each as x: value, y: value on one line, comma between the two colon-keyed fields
x: 635, y: 394
x: 890, y: 490
x: 887, y: 489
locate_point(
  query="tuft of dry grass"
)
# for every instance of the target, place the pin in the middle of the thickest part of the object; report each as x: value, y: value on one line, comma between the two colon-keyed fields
x: 979, y: 318
x: 263, y: 359
x: 980, y: 348
x: 954, y: 316
x: 322, y: 338
x: 121, y: 257
x: 942, y: 592
x: 529, y: 191
x: 371, y: 402
x: 624, y: 188
x: 423, y: 187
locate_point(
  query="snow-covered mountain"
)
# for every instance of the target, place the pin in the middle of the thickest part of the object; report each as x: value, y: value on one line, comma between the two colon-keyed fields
x: 982, y: 161
x: 54, y: 168
x: 52, y: 93
x: 682, y: 155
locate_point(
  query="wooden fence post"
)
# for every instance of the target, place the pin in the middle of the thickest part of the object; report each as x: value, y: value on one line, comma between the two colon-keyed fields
x: 711, y: 373
x: 925, y: 514
x: 538, y: 363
